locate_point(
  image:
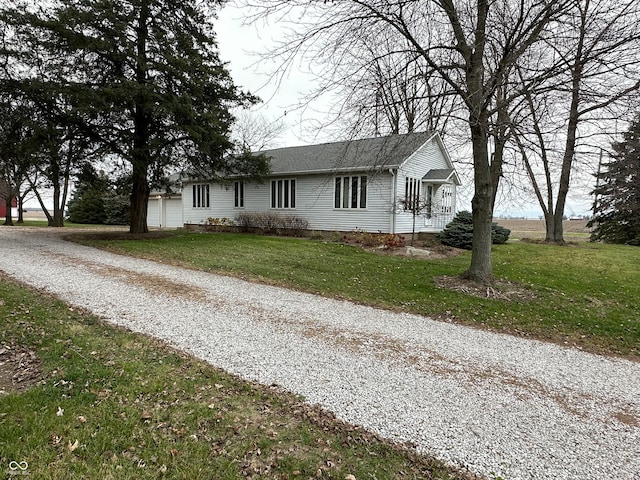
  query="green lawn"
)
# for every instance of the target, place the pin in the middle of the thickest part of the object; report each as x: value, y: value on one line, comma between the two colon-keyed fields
x: 104, y: 403
x: 586, y: 295
x: 43, y: 223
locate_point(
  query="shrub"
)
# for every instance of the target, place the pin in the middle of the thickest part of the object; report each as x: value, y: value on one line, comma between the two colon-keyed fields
x: 459, y: 232
x: 375, y: 240
x: 499, y: 234
x: 272, y: 223
x: 224, y: 221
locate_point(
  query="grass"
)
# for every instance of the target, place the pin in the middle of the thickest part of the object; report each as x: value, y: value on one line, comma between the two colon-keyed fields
x: 110, y: 404
x: 44, y: 223
x: 584, y: 295
x: 568, y: 236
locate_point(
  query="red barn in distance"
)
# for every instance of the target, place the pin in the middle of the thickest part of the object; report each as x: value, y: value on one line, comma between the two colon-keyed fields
x: 3, y: 199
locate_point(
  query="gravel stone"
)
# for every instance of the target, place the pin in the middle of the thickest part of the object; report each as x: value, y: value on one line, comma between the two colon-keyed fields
x: 497, y: 405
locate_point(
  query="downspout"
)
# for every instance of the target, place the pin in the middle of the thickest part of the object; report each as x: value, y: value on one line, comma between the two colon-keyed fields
x: 394, y: 191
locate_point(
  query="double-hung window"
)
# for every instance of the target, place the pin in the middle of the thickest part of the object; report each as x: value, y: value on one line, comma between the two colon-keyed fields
x: 283, y: 193
x: 412, y: 194
x: 351, y: 192
x: 238, y: 194
x: 447, y: 198
x: 200, y: 196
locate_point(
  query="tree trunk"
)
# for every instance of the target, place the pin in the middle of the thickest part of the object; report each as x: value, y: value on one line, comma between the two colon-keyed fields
x: 42, y: 206
x: 139, y: 199
x: 20, y: 210
x: 570, y: 146
x: 8, y: 218
x: 141, y: 158
x: 481, y: 268
x: 550, y: 227
x: 57, y: 220
x: 58, y: 217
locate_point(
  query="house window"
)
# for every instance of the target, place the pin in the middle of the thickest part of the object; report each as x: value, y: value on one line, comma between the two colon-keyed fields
x: 283, y: 193
x: 447, y: 198
x: 412, y: 194
x: 238, y: 194
x: 351, y: 192
x: 201, y: 196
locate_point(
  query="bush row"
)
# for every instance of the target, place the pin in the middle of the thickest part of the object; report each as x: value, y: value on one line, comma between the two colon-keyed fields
x: 272, y: 223
x: 375, y: 240
x: 458, y: 233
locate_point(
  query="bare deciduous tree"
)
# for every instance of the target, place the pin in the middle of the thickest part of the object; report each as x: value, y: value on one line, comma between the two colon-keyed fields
x: 386, y: 88
x: 255, y: 132
x: 471, y: 46
x: 597, y: 67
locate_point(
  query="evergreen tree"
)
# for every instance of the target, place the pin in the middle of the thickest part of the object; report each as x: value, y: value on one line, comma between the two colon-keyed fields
x: 87, y: 202
x: 145, y: 81
x: 617, y: 207
x: 87, y: 207
x: 14, y: 151
x: 98, y: 199
x: 459, y: 232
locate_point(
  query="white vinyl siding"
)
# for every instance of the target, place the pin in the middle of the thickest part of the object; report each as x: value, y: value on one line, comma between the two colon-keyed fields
x: 429, y: 157
x: 314, y: 201
x: 365, y: 201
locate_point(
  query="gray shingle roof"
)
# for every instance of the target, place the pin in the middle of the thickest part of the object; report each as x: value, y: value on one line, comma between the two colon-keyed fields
x: 439, y: 174
x: 366, y: 154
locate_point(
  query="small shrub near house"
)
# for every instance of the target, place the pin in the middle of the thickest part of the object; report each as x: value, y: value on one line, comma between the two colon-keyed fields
x: 375, y: 240
x: 459, y: 232
x: 220, y: 222
x: 270, y: 223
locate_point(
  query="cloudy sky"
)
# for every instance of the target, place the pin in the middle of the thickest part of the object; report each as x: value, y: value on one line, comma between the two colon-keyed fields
x: 240, y: 45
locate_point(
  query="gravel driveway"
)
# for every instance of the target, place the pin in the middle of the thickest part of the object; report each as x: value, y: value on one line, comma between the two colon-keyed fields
x: 495, y: 404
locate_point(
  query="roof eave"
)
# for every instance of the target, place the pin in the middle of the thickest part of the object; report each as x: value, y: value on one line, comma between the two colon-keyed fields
x: 369, y: 168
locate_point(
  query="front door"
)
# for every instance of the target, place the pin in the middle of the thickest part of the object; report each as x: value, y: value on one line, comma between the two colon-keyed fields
x: 428, y: 214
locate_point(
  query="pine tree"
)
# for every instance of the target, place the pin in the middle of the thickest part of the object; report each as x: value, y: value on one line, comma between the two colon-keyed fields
x: 617, y: 207
x: 87, y: 205
x: 144, y: 80
x: 459, y: 232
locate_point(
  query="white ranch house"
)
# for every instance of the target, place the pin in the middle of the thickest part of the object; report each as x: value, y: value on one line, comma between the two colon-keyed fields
x: 371, y: 185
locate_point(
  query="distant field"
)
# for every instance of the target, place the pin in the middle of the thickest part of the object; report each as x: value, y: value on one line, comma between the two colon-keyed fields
x: 573, y: 229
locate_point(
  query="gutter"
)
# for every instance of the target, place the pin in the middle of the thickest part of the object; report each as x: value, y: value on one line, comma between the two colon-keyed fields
x: 369, y: 169
x: 394, y: 192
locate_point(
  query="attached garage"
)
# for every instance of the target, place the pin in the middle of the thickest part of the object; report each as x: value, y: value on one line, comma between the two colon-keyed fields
x: 165, y: 211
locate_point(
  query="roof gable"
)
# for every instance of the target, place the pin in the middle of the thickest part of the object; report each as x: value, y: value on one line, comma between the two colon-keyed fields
x: 441, y: 175
x: 367, y: 154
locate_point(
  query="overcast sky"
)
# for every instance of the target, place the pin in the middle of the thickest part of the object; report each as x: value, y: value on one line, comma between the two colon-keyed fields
x: 239, y: 45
